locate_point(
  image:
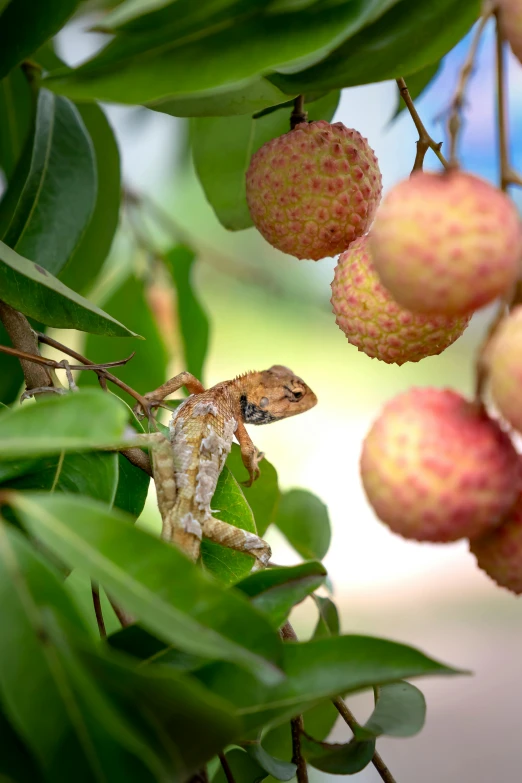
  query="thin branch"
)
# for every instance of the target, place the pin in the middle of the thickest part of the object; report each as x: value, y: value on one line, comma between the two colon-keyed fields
x: 425, y: 141
x: 226, y: 768
x: 455, y: 118
x: 63, y: 365
x: 349, y: 718
x: 23, y: 337
x: 296, y: 724
x: 98, y: 610
x: 299, y: 114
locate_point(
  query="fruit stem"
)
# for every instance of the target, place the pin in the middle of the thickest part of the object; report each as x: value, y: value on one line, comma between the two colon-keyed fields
x: 507, y: 175
x: 298, y: 114
x: 455, y: 116
x: 425, y: 141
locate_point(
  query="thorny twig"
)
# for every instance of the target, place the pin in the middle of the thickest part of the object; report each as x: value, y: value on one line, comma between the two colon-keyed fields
x: 455, y: 119
x: 98, y: 610
x: 298, y: 113
x: 507, y: 177
x: 425, y: 141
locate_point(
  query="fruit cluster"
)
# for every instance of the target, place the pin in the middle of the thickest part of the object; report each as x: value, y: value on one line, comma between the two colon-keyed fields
x: 435, y: 467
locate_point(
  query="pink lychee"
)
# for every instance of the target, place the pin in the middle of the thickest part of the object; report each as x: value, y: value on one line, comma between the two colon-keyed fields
x: 504, y: 357
x: 446, y: 243
x: 436, y: 468
x: 314, y: 190
x: 499, y: 551
x: 373, y: 321
x: 511, y: 24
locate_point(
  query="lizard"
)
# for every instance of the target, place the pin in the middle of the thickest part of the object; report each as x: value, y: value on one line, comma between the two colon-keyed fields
x: 186, y: 466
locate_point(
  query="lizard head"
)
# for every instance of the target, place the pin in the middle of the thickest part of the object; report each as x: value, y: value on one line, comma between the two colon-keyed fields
x: 273, y: 394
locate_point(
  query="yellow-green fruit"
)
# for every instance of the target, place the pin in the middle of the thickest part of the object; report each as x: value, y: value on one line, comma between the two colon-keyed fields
x: 436, y: 468
x: 511, y: 24
x: 373, y: 321
x: 499, y: 552
x: 314, y: 190
x: 446, y: 243
x: 504, y: 358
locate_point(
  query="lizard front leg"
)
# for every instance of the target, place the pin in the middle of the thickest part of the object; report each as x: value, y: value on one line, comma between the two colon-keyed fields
x: 236, y: 538
x: 185, y: 379
x: 249, y: 453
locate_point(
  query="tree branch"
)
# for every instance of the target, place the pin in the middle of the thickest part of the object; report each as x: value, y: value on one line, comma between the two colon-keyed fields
x: 24, y: 339
x: 425, y: 141
x: 296, y: 724
x: 455, y: 117
x: 349, y: 718
x: 226, y: 768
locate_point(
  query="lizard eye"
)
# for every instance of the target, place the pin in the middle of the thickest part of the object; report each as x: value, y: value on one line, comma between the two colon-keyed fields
x: 298, y: 395
x: 263, y: 402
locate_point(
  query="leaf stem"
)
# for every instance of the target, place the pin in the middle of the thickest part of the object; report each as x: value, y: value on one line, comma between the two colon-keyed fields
x: 98, y: 610
x: 226, y: 768
x: 425, y: 141
x: 455, y: 117
x: 299, y: 114
x: 349, y: 718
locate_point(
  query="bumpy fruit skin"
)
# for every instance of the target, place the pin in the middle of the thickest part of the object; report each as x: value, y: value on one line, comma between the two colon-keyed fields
x: 504, y: 358
x: 314, y: 190
x: 511, y: 24
x: 436, y: 469
x: 373, y: 321
x: 446, y: 243
x: 499, y: 552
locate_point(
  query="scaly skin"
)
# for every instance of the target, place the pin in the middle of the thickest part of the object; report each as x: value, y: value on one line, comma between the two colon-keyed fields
x: 373, y: 321
x: 186, y: 468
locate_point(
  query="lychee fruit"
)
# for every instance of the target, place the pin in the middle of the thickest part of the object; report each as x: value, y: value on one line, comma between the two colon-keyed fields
x: 314, y: 190
x: 499, y: 551
x: 446, y: 243
x: 511, y: 24
x: 436, y: 468
x: 373, y: 321
x: 504, y: 359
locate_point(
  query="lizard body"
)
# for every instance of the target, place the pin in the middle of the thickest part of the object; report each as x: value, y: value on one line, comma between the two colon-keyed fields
x: 187, y: 466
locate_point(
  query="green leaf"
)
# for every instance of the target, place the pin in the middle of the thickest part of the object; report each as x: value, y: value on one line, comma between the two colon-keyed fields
x: 417, y: 82
x: 93, y: 248
x: 221, y: 55
x: 153, y: 580
x: 317, y: 670
x: 27, y: 24
x: 318, y: 721
x: 193, y: 320
x: 148, y: 368
x: 244, y: 768
x: 338, y: 759
x: 33, y: 686
x: 142, y: 645
x: 180, y: 724
x: 328, y: 622
x: 16, y: 763
x: 132, y: 489
x: 223, y: 146
x: 78, y: 421
x: 263, y: 495
x: 281, y: 770
x: 408, y: 37
x: 94, y: 475
x: 255, y: 96
x: 303, y: 520
x: 16, y: 110
x: 230, y: 506
x: 276, y: 590
x: 57, y: 199
x: 35, y: 292
x: 400, y: 712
